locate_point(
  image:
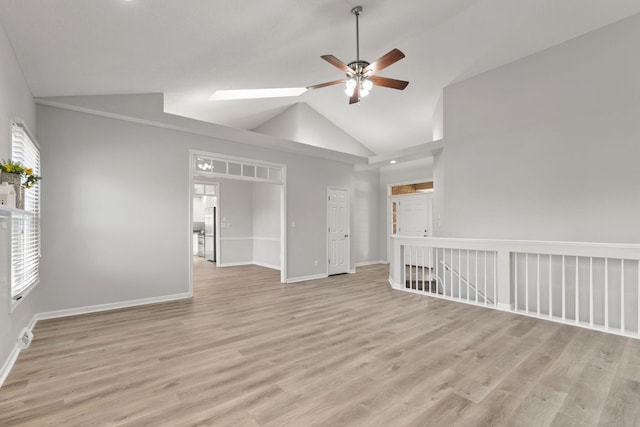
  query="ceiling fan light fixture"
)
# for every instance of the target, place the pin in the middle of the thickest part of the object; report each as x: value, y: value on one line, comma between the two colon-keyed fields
x: 361, y: 75
x: 351, y: 86
x: 365, y: 86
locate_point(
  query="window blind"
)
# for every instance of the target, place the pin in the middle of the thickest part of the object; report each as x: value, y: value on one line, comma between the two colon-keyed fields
x: 25, y: 228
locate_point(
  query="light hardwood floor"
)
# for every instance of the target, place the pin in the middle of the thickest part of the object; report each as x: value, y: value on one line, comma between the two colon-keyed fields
x: 345, y: 350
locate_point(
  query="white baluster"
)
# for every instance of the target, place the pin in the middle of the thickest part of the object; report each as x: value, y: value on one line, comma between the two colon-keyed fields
x: 515, y: 278
x: 591, y: 291
x: 495, y: 280
x: 477, y: 284
x: 538, y: 284
x: 526, y: 282
x: 460, y: 273
x: 564, y: 308
x: 606, y: 293
x: 468, y: 278
x: 577, y: 309
x: 451, y: 273
x: 622, y: 295
x: 550, y: 286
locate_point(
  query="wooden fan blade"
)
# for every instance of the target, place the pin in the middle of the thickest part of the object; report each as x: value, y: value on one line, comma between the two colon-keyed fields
x: 356, y: 95
x: 383, y: 62
x: 335, y: 82
x: 337, y: 63
x: 387, y: 82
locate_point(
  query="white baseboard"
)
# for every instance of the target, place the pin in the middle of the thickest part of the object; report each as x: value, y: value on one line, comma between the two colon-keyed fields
x: 111, y: 306
x: 11, y: 360
x: 15, y: 352
x: 235, y: 264
x: 8, y: 364
x: 305, y: 278
x: 266, y: 265
x: 504, y: 307
x: 362, y: 264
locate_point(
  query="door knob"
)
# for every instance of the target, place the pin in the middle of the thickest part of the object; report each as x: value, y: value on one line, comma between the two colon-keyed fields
x: 346, y: 235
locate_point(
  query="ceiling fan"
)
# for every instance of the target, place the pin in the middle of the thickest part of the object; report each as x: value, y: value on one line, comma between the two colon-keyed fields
x: 361, y: 75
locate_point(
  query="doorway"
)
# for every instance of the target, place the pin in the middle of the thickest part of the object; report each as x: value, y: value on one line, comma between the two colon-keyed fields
x: 412, y: 215
x: 204, y: 214
x: 235, y: 225
x: 338, y: 247
x: 409, y: 211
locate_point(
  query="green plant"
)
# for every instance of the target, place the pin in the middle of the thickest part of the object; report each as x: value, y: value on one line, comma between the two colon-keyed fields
x: 9, y: 166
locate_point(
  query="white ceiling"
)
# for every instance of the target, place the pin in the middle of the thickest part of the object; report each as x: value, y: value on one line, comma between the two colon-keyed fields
x: 189, y: 48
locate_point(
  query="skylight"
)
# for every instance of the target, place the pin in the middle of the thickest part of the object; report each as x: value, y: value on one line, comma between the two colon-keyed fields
x: 223, y: 95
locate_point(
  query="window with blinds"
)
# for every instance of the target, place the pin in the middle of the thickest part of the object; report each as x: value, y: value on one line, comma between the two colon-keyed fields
x: 25, y: 228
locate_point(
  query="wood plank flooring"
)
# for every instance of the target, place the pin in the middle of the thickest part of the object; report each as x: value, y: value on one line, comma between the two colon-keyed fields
x: 347, y: 350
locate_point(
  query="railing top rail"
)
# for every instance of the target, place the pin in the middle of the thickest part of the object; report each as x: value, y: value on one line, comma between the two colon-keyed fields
x: 585, y: 249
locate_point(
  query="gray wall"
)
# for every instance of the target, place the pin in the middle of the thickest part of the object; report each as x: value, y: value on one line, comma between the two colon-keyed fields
x: 96, y: 249
x: 16, y: 102
x: 365, y: 244
x: 266, y: 224
x: 546, y: 148
x: 235, y: 203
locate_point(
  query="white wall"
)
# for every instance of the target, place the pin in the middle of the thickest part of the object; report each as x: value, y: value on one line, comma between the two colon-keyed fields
x: 93, y: 250
x: 16, y: 102
x: 302, y: 123
x: 266, y: 224
x: 546, y: 148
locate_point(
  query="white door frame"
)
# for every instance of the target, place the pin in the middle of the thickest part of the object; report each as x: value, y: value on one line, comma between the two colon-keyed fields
x: 348, y: 227
x: 388, y: 211
x: 283, y: 216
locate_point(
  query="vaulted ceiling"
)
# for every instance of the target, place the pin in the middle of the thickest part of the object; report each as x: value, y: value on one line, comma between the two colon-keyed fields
x: 187, y: 49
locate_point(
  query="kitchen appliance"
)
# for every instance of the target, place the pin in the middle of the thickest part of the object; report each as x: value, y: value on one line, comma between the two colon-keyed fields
x: 209, y: 231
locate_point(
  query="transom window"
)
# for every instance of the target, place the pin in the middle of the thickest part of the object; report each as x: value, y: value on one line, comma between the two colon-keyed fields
x: 230, y: 167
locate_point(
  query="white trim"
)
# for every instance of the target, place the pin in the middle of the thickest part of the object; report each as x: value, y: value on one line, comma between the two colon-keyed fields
x: 15, y: 352
x: 227, y: 239
x: 365, y: 263
x: 267, y: 239
x: 235, y: 264
x: 190, y: 194
x: 240, y: 160
x: 111, y: 306
x: 427, y: 149
x: 283, y: 213
x: 284, y: 248
x: 505, y: 307
x: 8, y: 364
x: 267, y: 265
x: 305, y: 278
x: 15, y: 301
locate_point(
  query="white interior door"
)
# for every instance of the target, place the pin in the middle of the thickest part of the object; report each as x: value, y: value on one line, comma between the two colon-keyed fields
x: 338, y: 230
x: 414, y: 215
